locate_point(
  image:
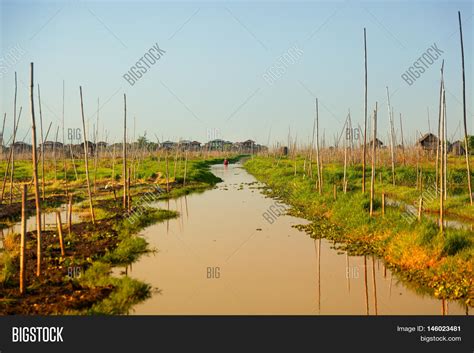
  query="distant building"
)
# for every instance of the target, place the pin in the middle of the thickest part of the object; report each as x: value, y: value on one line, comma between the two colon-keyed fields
x: 378, y: 143
x: 101, y: 145
x: 457, y: 148
x: 248, y: 146
x: 195, y: 146
x: 168, y: 145
x: 184, y: 145
x: 21, y: 147
x: 216, y: 145
x: 51, y: 145
x: 428, y: 142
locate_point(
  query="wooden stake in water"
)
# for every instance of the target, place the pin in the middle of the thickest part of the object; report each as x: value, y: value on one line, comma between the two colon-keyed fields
x: 23, y: 238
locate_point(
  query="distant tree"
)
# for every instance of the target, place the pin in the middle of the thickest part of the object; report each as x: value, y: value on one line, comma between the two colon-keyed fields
x: 142, y: 141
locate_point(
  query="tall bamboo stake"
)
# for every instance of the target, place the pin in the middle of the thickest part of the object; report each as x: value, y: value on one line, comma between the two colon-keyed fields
x: 129, y: 201
x: 35, y: 174
x: 441, y: 171
x: 374, y: 148
x: 392, y: 144
x: 10, y: 159
x: 167, y: 173
x: 438, y: 145
x: 42, y: 144
x: 365, y: 114
x: 1, y: 136
x: 185, y: 168
x: 403, y: 142
x: 64, y: 147
x: 466, y: 144
x: 86, y: 160
x: 13, y: 143
x: 96, y: 154
x: 445, y: 150
x: 311, y: 150
x: 54, y: 156
x: 318, y: 160
x: 124, y: 152
x: 23, y: 237
x: 69, y: 214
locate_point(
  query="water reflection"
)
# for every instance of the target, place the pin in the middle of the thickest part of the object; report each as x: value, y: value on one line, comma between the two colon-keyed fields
x: 265, y: 267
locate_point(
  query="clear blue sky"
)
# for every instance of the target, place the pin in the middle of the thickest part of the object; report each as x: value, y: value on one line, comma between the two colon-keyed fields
x: 210, y: 77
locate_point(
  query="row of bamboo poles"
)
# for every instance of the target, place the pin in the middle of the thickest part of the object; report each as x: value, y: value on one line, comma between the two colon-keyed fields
x: 348, y: 148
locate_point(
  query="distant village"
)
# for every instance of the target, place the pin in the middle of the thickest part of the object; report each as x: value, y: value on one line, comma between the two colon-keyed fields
x: 248, y: 146
x: 429, y: 142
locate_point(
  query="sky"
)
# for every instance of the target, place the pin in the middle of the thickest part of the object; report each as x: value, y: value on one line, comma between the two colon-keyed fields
x: 212, y: 81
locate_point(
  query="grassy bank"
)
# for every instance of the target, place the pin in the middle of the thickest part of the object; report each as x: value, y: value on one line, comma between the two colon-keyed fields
x: 80, y: 282
x: 441, y: 264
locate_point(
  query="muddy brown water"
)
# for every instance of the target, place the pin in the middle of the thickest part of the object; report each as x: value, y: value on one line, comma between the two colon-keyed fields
x: 221, y: 256
x: 48, y: 220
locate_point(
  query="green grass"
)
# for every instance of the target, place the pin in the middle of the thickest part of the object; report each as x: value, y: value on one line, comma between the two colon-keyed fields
x: 417, y: 250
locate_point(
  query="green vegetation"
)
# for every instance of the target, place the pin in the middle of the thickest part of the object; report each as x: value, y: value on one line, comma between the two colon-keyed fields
x: 94, y: 248
x: 442, y: 263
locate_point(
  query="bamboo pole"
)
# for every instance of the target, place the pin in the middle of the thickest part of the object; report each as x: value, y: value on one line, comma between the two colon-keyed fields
x: 129, y: 206
x: 1, y: 136
x: 392, y: 147
x: 24, y: 197
x: 318, y: 160
x: 420, y: 208
x: 69, y: 213
x: 124, y: 153
x: 441, y: 171
x: 445, y: 150
x: 54, y: 156
x: 185, y: 168
x: 466, y: 144
x: 96, y: 154
x: 311, y: 150
x: 86, y: 160
x: 374, y: 149
x: 403, y: 142
x: 383, y: 203
x: 10, y: 158
x: 42, y: 144
x: 13, y: 142
x: 60, y: 232
x: 365, y: 114
x: 167, y: 173
x: 35, y: 174
x: 64, y: 145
